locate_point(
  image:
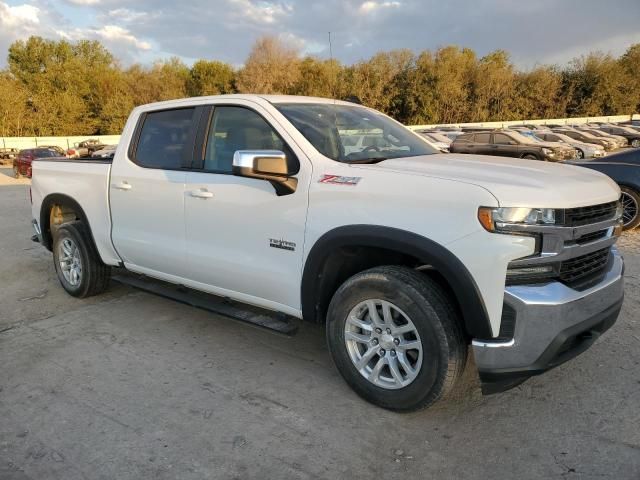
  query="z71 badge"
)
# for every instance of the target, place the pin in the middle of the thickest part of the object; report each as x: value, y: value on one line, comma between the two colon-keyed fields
x: 339, y: 180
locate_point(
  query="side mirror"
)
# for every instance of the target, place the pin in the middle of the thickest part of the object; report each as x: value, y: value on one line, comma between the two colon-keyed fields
x: 512, y: 142
x: 270, y: 165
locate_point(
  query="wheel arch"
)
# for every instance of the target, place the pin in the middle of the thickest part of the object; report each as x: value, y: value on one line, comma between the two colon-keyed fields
x: 45, y: 216
x: 320, y: 280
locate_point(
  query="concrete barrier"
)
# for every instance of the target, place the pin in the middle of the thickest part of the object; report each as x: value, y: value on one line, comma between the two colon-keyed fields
x: 64, y: 142
x: 546, y: 121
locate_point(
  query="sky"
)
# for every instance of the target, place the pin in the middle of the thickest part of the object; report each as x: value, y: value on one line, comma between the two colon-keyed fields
x: 534, y: 32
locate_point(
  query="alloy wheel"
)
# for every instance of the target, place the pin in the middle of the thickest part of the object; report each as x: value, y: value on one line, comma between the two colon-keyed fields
x: 70, y: 262
x: 383, y: 344
x: 629, y: 208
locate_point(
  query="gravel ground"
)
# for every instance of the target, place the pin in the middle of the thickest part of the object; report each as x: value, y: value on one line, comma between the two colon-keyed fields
x: 127, y: 385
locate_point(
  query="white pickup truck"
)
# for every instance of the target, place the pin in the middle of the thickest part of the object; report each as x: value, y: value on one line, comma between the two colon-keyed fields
x: 408, y: 255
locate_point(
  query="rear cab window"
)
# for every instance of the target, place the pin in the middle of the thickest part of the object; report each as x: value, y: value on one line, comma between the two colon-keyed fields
x: 163, y: 138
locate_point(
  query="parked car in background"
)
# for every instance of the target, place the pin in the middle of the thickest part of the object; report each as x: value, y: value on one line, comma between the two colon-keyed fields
x: 450, y: 134
x: 22, y: 163
x: 619, y: 141
x: 587, y: 137
x: 624, y: 169
x: 632, y: 136
x: 8, y: 153
x: 107, y: 152
x: 509, y: 143
x: 85, y: 148
x: 59, y: 150
x: 584, y: 149
x: 440, y: 141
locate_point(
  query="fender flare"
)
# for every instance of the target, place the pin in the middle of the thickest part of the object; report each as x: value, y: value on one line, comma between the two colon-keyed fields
x: 474, y: 313
x: 45, y: 208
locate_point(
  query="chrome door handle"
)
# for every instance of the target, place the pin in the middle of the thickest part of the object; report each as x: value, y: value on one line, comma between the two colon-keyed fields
x: 122, y: 186
x: 201, y: 194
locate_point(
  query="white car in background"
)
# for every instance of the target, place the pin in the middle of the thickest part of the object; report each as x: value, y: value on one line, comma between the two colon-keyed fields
x: 585, y: 150
x: 438, y: 140
x: 107, y: 152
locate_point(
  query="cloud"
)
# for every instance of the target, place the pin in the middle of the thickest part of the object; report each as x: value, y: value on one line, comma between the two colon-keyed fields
x: 533, y: 32
x: 368, y: 7
x: 114, y: 33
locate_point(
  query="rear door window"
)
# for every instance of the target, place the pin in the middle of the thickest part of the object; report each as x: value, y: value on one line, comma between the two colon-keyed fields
x: 482, y: 137
x: 501, y: 139
x: 164, y: 138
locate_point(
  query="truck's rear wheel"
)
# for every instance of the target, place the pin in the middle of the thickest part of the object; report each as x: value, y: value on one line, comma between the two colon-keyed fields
x: 78, y: 265
x: 394, y: 336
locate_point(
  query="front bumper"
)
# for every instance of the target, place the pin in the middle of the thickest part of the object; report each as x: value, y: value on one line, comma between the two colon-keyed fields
x: 554, y: 323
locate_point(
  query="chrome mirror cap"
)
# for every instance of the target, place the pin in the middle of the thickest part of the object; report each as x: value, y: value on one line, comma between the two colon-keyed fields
x: 270, y: 165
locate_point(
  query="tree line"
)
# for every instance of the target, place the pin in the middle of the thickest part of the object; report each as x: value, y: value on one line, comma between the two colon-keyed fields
x: 79, y: 88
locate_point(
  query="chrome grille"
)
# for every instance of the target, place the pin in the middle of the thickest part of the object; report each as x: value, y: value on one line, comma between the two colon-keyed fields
x: 584, y: 266
x: 574, y: 217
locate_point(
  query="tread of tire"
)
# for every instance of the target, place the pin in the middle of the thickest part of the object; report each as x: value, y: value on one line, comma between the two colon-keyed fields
x: 99, y: 273
x: 442, y: 305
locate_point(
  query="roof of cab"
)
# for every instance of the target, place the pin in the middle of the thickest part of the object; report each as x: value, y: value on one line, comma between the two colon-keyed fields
x: 273, y: 99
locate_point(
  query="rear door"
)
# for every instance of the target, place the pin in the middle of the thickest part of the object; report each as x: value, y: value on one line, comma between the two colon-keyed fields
x: 242, y: 239
x: 147, y: 193
x: 482, y: 144
x: 503, y: 145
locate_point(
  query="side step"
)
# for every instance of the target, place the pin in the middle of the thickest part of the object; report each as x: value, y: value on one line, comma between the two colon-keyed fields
x: 275, y: 321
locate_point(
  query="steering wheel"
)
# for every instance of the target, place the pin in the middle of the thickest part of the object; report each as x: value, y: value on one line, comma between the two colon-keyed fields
x: 371, y: 148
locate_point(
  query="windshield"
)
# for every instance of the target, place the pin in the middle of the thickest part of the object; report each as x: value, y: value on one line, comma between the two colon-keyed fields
x: 532, y: 136
x: 353, y: 134
x: 438, y: 137
x: 563, y: 138
x: 522, y: 138
x: 587, y: 134
x: 45, y: 153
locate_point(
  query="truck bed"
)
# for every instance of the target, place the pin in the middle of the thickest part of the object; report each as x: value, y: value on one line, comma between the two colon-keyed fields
x: 86, y: 181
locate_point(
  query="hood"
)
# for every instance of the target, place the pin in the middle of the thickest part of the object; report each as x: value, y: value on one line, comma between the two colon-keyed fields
x: 549, y: 144
x: 514, y: 182
x: 577, y: 143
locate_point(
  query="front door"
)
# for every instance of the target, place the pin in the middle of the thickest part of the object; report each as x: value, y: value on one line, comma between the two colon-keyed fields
x: 242, y: 239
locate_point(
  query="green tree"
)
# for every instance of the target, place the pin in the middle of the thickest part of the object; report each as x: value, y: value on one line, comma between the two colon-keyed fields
x: 210, y: 78
x: 272, y: 67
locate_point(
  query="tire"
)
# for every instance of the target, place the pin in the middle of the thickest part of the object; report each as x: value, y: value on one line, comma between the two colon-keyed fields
x: 530, y: 156
x: 72, y: 247
x: 635, y: 143
x: 16, y: 172
x: 631, y: 208
x: 436, y: 323
x: 580, y: 153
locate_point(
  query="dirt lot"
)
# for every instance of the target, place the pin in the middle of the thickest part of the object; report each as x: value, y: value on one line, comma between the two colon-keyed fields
x: 130, y: 386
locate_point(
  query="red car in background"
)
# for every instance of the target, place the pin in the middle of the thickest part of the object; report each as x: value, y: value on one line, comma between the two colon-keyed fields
x: 22, y: 163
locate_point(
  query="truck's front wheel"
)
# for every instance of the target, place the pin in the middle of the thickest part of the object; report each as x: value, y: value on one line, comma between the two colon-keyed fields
x: 394, y: 335
x: 78, y: 265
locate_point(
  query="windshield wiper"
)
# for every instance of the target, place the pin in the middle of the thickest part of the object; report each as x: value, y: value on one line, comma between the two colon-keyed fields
x: 367, y: 160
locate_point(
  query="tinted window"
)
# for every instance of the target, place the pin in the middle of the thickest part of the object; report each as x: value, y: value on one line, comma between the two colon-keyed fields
x: 482, y: 137
x: 163, y: 138
x: 44, y: 153
x: 501, y: 139
x: 237, y: 128
x: 325, y: 125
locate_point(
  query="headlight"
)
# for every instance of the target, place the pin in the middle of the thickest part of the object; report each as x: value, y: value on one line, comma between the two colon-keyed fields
x: 548, y: 151
x: 497, y: 219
